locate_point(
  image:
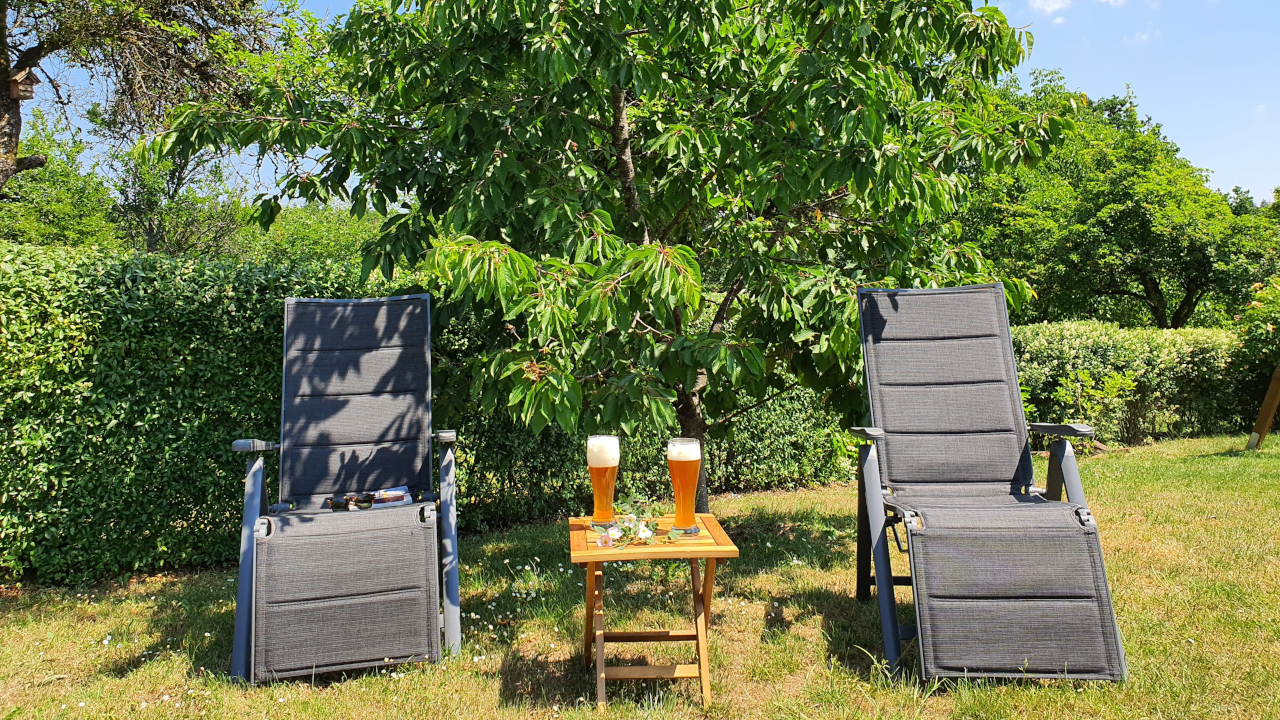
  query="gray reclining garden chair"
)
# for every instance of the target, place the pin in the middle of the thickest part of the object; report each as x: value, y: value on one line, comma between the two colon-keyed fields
x: 1008, y: 580
x: 320, y: 590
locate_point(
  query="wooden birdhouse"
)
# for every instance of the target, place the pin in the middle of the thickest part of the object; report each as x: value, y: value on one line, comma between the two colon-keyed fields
x: 22, y: 85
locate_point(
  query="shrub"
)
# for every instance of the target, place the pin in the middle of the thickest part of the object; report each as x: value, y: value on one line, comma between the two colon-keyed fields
x: 1133, y: 384
x: 1259, y: 330
x: 124, y: 378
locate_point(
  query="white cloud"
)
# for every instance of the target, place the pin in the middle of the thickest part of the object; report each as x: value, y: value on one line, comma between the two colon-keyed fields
x: 1059, y: 20
x: 1049, y: 6
x: 1113, y: 3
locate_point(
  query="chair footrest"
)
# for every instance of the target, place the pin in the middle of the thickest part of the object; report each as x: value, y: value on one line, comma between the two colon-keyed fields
x: 645, y: 672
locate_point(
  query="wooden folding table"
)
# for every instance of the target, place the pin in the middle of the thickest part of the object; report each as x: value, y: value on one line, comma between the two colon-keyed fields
x: 710, y: 544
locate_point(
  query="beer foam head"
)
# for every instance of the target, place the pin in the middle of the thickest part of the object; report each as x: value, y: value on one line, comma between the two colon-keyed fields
x: 684, y: 449
x: 603, y: 451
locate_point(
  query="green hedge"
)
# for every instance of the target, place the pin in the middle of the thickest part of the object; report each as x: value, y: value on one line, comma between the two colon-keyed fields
x: 124, y: 379
x: 1133, y: 385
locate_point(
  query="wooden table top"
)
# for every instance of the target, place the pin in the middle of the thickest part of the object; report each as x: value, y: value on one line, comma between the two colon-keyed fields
x: 710, y: 542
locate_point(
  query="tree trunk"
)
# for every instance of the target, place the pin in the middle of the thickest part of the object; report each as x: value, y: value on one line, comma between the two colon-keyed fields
x: 1155, y: 300
x: 1182, y: 315
x: 693, y: 425
x: 10, y: 131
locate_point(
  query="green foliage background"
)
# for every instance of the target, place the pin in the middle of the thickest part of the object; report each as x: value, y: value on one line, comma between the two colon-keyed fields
x: 1183, y: 382
x: 124, y: 378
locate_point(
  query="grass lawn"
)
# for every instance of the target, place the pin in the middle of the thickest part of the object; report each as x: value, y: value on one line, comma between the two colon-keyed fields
x: 1191, y: 531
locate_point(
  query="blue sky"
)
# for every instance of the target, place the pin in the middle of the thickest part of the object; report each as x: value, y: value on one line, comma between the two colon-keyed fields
x: 1207, y: 70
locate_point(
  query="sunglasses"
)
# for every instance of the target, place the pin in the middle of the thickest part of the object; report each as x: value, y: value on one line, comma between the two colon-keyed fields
x: 363, y: 501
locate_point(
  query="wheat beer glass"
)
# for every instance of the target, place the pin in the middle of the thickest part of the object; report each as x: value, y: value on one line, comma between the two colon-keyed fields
x: 602, y: 462
x: 684, y: 459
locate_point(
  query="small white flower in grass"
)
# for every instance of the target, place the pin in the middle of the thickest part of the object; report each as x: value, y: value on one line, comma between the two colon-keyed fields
x: 279, y: 699
x: 165, y: 698
x: 143, y: 706
x: 506, y: 562
x: 81, y: 704
x: 208, y: 635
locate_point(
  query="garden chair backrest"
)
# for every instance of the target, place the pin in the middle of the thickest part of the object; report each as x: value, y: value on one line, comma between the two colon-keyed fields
x: 356, y: 410
x: 944, y: 388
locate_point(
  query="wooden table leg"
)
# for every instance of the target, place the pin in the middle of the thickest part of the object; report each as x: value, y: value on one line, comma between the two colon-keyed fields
x: 598, y: 619
x: 700, y: 627
x: 588, y: 613
x: 709, y: 588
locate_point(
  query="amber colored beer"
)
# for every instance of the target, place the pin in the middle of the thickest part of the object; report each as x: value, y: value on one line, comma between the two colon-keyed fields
x: 602, y: 482
x: 684, y: 460
x: 603, y: 455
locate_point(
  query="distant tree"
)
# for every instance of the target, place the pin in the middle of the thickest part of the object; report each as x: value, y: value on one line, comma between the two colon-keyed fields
x: 309, y: 230
x: 63, y: 202
x: 1241, y: 202
x: 175, y: 206
x: 151, y: 54
x: 1115, y: 225
x: 1272, y: 209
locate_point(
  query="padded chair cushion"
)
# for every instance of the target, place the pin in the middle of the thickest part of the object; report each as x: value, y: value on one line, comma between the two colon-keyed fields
x: 1012, y: 590
x: 342, y: 590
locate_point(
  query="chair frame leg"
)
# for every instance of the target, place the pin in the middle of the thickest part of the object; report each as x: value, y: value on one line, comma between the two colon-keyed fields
x: 873, y: 499
x: 449, y: 550
x: 863, y: 566
x: 242, y: 640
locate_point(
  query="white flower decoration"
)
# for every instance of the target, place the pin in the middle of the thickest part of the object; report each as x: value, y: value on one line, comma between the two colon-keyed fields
x: 644, y: 533
x: 615, y: 532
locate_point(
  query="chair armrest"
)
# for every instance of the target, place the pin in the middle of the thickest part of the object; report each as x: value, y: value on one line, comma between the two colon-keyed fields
x: 254, y: 446
x: 868, y: 433
x: 1069, y: 430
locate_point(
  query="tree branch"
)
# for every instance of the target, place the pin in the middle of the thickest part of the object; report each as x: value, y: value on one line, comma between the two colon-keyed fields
x: 30, y: 162
x: 32, y: 56
x: 722, y: 312
x: 749, y: 408
x: 622, y: 151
